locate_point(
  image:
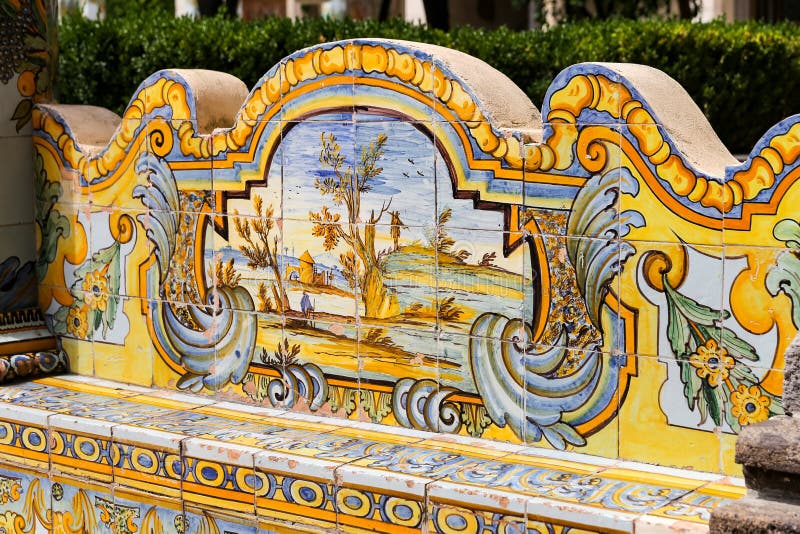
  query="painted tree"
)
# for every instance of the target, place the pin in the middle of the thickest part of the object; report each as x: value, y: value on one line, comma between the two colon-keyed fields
x: 260, y: 248
x: 397, y: 225
x: 345, y: 188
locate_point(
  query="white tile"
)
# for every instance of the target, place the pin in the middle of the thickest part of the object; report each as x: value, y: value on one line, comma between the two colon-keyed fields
x: 669, y: 471
x: 213, y: 450
x: 249, y: 409
x: 599, y: 461
x: 590, y: 518
x: 296, y: 466
x: 122, y: 389
x: 177, y: 396
x: 151, y: 437
x: 485, y: 444
x: 477, y: 497
x: 84, y: 425
x: 661, y: 525
x: 380, y: 480
x: 22, y: 414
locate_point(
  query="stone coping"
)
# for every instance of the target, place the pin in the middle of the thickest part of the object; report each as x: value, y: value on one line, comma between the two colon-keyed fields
x: 288, y: 470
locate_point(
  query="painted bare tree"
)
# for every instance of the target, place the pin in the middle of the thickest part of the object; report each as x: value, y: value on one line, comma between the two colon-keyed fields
x: 345, y: 189
x: 260, y: 248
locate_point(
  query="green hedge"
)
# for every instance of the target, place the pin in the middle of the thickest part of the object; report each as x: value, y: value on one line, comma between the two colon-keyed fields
x: 745, y: 77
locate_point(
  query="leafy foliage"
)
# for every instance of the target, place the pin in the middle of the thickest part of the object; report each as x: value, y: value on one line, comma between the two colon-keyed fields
x: 726, y: 68
x: 285, y: 354
x: 225, y: 274
x: 260, y: 253
x: 52, y: 224
x: 712, y: 361
x: 361, y: 264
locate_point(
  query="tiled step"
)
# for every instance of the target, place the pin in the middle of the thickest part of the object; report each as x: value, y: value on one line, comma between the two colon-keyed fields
x: 164, y: 459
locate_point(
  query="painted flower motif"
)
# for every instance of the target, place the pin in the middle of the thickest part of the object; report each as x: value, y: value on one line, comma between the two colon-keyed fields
x: 96, y: 287
x: 77, y: 323
x: 749, y: 405
x: 712, y: 362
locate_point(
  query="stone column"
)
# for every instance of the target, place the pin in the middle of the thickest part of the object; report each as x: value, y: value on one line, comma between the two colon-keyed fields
x: 27, y: 64
x: 770, y: 456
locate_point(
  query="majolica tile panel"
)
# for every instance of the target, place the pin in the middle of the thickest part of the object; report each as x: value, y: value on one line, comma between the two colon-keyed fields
x: 374, y: 237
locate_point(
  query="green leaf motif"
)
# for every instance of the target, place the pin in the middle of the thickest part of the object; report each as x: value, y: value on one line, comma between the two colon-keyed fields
x: 475, y: 418
x: 376, y: 410
x: 736, y: 346
x: 695, y: 335
x: 22, y: 114
x: 784, y: 277
x: 788, y: 231
x: 52, y: 224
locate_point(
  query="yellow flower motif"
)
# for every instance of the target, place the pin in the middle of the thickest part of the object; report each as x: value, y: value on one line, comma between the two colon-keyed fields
x: 77, y: 323
x: 712, y: 362
x: 749, y: 405
x: 96, y: 287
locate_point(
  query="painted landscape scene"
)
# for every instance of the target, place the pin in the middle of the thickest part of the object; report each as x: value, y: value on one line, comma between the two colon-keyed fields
x: 359, y: 258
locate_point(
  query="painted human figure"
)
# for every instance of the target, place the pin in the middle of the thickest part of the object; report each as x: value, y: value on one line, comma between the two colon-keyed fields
x: 305, y: 305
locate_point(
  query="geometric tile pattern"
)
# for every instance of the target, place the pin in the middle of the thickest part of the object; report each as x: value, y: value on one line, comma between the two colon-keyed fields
x: 281, y: 473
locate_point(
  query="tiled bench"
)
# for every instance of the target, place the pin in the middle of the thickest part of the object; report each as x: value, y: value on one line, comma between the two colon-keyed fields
x: 128, y: 459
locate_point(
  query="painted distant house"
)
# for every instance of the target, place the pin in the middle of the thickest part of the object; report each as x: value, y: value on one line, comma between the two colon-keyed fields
x: 307, y: 272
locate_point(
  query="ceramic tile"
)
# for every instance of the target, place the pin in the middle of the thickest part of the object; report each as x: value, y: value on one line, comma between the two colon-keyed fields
x: 477, y: 281
x: 80, y: 382
x: 134, y: 361
x: 227, y: 408
x: 219, y: 476
x: 393, y: 70
x: 447, y: 518
x: 757, y: 313
x: 380, y: 501
x: 546, y: 192
x: 310, y: 183
x: 653, y: 407
x: 147, y: 460
x: 397, y: 157
x: 138, y: 168
x: 15, y: 92
x: 24, y: 434
x: 401, y: 291
x: 388, y: 354
x: 317, y: 271
x: 567, y: 458
x: 81, y: 446
x: 671, y: 277
x: 23, y: 494
x: 462, y: 202
x: 624, y: 490
x: 577, y: 517
x: 311, y: 349
x: 174, y: 399
x: 237, y: 183
x: 664, y: 525
x: 138, y: 511
x: 203, y: 520
x: 300, y: 75
x: 608, y: 89
x: 295, y: 489
x: 473, y: 446
x: 84, y: 503
x: 251, y: 257
x: 509, y: 502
